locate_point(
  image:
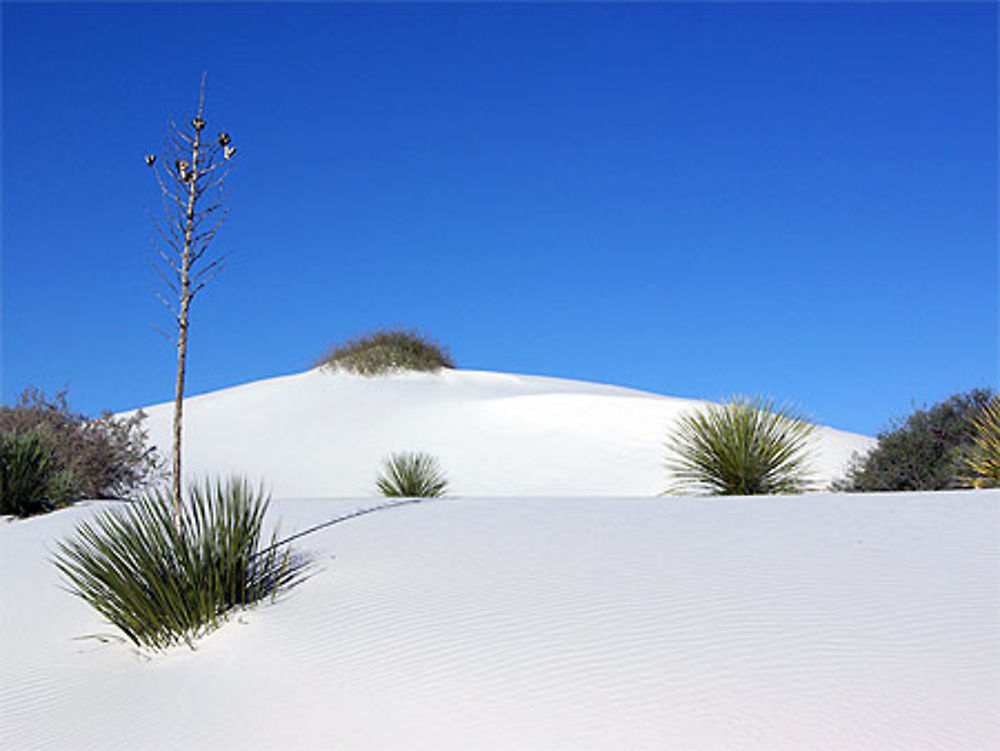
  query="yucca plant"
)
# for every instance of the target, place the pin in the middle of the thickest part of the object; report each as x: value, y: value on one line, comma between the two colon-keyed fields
x: 984, y: 458
x: 743, y: 447
x: 164, y: 583
x: 30, y: 480
x: 411, y: 475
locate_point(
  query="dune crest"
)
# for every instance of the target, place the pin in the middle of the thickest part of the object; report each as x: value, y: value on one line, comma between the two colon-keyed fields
x: 323, y: 434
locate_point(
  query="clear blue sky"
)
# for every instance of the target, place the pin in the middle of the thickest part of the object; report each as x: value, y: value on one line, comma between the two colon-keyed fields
x: 692, y: 199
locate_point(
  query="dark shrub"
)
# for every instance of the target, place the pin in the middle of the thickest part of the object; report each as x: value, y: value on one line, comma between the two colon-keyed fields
x: 386, y: 352
x: 105, y: 457
x: 926, y: 451
x: 164, y: 583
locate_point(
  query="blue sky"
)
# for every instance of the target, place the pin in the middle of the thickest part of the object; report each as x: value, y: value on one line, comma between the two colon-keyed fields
x: 693, y: 199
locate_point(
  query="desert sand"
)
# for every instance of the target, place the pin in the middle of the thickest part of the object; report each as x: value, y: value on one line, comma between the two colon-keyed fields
x: 322, y: 434
x: 610, y: 618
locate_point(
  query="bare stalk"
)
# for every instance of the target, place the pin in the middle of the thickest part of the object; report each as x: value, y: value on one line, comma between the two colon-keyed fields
x: 189, y: 175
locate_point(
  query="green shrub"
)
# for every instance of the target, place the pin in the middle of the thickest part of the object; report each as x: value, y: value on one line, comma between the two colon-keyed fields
x: 162, y: 583
x: 104, y: 457
x: 743, y: 447
x: 928, y: 450
x: 387, y: 352
x: 411, y: 475
x: 984, y: 458
x: 30, y: 480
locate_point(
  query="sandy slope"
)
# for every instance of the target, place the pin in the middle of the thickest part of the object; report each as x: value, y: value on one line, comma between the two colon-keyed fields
x: 320, y: 434
x: 815, y: 622
x: 535, y: 621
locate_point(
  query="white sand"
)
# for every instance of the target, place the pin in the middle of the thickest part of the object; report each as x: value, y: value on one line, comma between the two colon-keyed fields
x: 319, y: 434
x: 814, y: 622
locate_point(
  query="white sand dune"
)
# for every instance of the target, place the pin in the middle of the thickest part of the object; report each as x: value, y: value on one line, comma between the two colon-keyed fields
x: 536, y: 621
x: 812, y: 622
x: 323, y: 434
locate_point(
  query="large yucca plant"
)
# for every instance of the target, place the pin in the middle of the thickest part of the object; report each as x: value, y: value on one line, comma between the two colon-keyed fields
x: 411, y: 475
x: 984, y: 458
x: 743, y: 447
x: 163, y: 583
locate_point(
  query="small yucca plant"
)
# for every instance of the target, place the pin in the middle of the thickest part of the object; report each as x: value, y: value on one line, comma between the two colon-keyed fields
x: 411, y: 475
x: 984, y: 458
x: 163, y: 583
x: 743, y: 447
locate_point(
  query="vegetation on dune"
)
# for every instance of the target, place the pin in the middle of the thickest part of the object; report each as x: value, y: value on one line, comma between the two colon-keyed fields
x: 387, y: 351
x: 411, y: 475
x: 929, y: 450
x: 983, y: 460
x: 51, y: 456
x: 164, y: 583
x: 743, y: 447
x: 163, y: 570
x: 29, y: 480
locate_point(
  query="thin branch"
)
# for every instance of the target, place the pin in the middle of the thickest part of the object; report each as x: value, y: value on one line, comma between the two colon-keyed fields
x: 170, y: 241
x: 164, y: 334
x: 219, y: 266
x: 163, y: 274
x: 168, y: 261
x: 165, y: 191
x: 208, y: 169
x: 206, y: 213
x: 176, y: 130
x: 201, y: 93
x: 215, y: 227
x: 199, y: 251
x: 218, y: 263
x: 175, y: 241
x: 218, y: 182
x: 170, y: 307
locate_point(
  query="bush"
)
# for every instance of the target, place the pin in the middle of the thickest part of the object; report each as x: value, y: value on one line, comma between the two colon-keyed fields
x: 30, y: 480
x: 984, y: 458
x: 926, y: 451
x: 387, y: 352
x: 162, y: 583
x: 744, y: 447
x: 106, y: 457
x: 411, y: 475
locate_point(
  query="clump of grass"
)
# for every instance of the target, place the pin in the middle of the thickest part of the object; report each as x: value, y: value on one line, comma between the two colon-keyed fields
x: 411, y: 475
x: 164, y: 581
x: 387, y: 351
x: 984, y: 458
x: 743, y: 447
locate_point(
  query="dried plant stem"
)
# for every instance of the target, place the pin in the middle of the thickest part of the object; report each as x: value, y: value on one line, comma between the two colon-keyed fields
x: 183, y: 186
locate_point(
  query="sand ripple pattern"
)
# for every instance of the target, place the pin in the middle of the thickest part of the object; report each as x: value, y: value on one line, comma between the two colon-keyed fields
x: 817, y: 622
